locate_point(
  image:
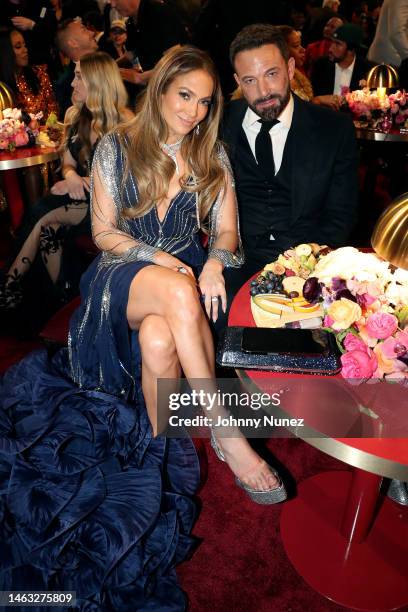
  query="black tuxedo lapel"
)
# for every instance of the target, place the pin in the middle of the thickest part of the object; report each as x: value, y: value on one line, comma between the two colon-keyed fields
x: 360, y: 71
x: 232, y: 124
x: 330, y: 76
x: 233, y: 133
x: 304, y: 133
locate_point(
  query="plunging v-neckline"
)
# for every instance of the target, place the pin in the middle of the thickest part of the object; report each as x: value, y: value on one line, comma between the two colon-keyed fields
x: 162, y: 221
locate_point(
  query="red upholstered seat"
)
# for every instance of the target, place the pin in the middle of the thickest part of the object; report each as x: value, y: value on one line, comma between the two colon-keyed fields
x: 56, y: 329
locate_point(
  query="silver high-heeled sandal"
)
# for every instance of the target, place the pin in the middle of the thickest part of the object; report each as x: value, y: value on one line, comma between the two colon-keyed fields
x: 270, y: 496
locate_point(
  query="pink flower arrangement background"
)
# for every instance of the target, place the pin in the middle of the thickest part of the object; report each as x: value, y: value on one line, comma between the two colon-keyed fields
x: 17, y: 129
x: 365, y: 301
x: 382, y: 112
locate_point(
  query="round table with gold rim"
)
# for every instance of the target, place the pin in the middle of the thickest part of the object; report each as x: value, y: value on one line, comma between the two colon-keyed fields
x: 21, y: 157
x: 377, y: 136
x: 345, y: 539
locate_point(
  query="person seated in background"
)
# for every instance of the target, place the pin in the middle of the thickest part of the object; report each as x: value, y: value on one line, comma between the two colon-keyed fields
x: 317, y: 16
x: 73, y: 40
x: 30, y: 84
x: 93, y: 21
x: 36, y: 20
x: 360, y: 16
x: 343, y: 69
x: 115, y: 42
x: 100, y: 105
x: 333, y: 5
x: 299, y: 84
x: 320, y: 48
x: 152, y: 28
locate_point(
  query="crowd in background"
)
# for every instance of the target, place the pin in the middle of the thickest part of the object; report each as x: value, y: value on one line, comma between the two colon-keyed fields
x: 42, y: 39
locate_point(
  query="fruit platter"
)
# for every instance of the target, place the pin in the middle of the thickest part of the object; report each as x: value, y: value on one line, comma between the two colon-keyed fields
x: 279, y: 292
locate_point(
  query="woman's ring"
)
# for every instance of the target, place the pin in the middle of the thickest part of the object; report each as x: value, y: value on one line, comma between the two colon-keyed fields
x: 182, y: 269
x: 214, y: 298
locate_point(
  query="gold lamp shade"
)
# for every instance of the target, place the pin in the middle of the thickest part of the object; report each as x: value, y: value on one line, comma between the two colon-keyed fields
x: 383, y: 76
x: 6, y: 97
x: 390, y: 235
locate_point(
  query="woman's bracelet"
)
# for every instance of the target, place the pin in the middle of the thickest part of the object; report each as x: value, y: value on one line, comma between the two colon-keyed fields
x: 227, y: 258
x: 143, y: 252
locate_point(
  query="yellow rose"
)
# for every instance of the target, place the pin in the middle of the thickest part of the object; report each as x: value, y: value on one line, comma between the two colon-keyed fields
x: 344, y: 313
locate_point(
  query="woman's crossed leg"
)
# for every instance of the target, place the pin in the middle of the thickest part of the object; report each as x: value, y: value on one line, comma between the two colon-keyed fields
x: 174, y: 334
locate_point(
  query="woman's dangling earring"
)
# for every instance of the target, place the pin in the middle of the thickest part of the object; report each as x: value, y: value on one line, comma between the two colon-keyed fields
x: 197, y: 129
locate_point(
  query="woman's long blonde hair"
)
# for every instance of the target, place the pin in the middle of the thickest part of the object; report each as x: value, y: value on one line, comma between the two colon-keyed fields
x: 105, y: 102
x: 143, y: 136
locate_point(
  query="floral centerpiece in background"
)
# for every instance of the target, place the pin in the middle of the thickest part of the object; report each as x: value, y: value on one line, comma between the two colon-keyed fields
x: 18, y: 129
x: 366, y: 304
x: 377, y: 109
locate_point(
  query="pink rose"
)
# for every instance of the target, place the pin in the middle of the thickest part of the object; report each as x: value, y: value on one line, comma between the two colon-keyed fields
x: 358, y: 364
x: 381, y: 325
x: 328, y: 321
x: 4, y: 143
x: 395, y: 346
x: 21, y: 139
x: 354, y: 343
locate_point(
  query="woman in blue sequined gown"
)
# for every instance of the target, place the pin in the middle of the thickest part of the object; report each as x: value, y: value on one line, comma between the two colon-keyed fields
x: 91, y: 499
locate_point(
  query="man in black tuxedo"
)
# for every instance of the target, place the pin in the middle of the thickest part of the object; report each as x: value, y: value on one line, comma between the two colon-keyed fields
x: 295, y: 163
x: 343, y: 67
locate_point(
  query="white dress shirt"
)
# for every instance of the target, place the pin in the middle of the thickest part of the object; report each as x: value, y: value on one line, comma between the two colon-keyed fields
x: 343, y: 77
x: 278, y: 133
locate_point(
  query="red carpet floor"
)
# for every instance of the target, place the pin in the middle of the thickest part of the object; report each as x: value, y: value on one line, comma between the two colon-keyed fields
x: 240, y: 564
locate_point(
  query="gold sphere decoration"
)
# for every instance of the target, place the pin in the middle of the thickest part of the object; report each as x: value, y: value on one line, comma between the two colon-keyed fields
x: 382, y: 76
x: 390, y: 235
x: 6, y: 97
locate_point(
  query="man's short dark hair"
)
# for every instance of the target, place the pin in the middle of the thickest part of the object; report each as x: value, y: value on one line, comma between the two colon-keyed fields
x: 257, y: 35
x: 61, y: 32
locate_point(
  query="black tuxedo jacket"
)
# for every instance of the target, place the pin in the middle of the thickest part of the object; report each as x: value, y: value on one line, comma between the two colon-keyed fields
x: 324, y: 74
x: 324, y: 189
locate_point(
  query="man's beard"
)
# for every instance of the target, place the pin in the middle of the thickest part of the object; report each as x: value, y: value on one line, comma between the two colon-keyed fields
x: 271, y: 112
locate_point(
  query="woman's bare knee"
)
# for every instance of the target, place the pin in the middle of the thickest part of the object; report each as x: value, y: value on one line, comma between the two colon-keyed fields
x: 184, y: 302
x: 156, y: 342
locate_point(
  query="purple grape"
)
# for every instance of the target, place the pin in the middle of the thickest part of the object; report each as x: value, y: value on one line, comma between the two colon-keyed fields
x: 345, y: 293
x: 312, y: 290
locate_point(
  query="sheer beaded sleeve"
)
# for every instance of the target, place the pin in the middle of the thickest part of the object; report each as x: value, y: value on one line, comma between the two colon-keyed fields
x: 227, y: 258
x: 110, y: 230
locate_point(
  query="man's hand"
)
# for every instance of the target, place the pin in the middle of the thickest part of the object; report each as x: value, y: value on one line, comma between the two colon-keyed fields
x: 135, y: 76
x: 132, y: 76
x: 23, y: 23
x: 331, y: 101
